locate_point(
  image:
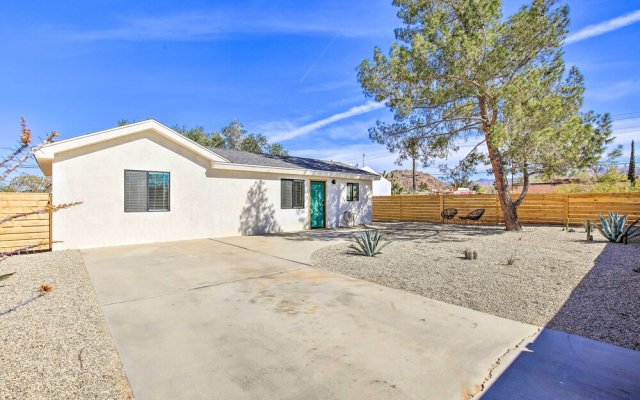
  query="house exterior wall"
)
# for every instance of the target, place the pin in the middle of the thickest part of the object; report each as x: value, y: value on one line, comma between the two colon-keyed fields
x: 204, y: 202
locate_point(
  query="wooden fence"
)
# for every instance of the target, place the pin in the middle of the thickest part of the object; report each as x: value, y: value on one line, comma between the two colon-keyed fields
x: 553, y: 209
x: 32, y: 230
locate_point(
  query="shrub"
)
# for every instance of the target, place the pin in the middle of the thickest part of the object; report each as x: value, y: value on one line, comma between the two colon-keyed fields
x: 614, y: 228
x: 368, y: 243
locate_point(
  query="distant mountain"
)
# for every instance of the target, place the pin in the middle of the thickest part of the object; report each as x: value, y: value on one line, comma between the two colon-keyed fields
x: 424, y: 181
x: 484, y: 181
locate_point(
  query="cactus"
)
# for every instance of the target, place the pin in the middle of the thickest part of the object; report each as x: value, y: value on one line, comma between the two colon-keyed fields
x: 588, y: 228
x: 614, y: 228
x: 470, y: 254
x: 368, y: 243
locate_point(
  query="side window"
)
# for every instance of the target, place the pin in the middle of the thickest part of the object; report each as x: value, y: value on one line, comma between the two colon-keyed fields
x: 291, y: 193
x: 146, y: 191
x: 353, y: 192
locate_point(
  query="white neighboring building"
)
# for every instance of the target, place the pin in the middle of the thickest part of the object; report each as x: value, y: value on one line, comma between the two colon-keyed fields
x: 381, y: 187
x: 144, y: 183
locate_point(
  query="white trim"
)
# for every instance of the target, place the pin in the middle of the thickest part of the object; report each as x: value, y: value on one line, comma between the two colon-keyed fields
x: 48, y: 151
x: 291, y: 171
x: 44, y: 157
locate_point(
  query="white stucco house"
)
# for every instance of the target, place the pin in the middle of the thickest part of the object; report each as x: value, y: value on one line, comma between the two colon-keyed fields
x: 381, y: 187
x: 144, y: 183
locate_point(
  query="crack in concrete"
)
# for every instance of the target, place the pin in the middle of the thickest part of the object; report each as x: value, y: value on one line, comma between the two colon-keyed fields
x: 209, y: 285
x: 260, y: 252
x: 477, y: 389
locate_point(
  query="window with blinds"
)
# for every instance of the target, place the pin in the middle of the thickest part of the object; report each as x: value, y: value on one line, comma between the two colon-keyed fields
x: 291, y: 193
x: 146, y: 191
x: 353, y: 191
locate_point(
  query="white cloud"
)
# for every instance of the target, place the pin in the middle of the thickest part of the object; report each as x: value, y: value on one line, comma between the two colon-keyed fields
x: 213, y: 23
x: 615, y: 90
x: 280, y: 134
x: 604, y: 27
x: 626, y: 130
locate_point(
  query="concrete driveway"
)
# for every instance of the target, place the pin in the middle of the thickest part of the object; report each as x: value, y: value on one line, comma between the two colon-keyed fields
x: 247, y: 318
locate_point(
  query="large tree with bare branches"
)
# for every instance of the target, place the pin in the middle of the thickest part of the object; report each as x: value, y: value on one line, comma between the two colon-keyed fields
x: 460, y: 71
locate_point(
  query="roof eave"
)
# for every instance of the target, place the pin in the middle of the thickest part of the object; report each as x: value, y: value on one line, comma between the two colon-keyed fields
x: 290, y: 171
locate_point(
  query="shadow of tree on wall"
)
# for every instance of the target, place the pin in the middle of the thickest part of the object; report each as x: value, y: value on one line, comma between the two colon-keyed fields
x: 258, y: 214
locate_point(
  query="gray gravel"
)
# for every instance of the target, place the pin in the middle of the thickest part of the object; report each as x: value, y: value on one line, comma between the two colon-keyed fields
x: 57, y: 346
x: 557, y: 280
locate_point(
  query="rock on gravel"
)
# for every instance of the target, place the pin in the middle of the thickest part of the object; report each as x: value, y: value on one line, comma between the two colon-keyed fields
x: 57, y: 346
x: 557, y: 279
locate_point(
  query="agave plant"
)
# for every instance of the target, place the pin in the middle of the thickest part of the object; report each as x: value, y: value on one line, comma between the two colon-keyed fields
x: 614, y: 228
x: 368, y: 243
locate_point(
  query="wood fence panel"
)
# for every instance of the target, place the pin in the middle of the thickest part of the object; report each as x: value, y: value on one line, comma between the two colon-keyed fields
x: 27, y: 230
x: 386, y: 208
x: 583, y: 207
x: 547, y: 209
x: 417, y: 208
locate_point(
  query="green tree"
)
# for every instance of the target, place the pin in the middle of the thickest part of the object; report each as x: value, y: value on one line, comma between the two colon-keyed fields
x: 276, y: 149
x: 631, y: 175
x: 254, y: 143
x: 28, y: 183
x: 460, y: 71
x: 410, y: 149
x: 198, y: 135
x: 233, y: 135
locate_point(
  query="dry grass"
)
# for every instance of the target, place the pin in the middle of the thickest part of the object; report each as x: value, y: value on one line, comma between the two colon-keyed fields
x: 542, y: 276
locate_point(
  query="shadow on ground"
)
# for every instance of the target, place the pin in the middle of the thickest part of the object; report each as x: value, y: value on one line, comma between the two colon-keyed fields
x: 402, y: 231
x: 586, y: 360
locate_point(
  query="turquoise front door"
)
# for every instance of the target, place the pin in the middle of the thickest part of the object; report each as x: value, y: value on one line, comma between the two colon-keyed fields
x: 317, y: 204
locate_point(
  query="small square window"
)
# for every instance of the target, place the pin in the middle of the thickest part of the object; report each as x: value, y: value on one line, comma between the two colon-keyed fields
x: 353, y: 192
x: 291, y: 193
x: 146, y: 191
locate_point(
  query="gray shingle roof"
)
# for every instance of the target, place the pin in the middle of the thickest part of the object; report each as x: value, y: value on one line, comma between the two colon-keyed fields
x: 265, y: 160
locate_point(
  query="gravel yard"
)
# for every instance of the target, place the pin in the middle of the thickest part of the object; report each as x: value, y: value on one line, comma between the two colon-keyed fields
x: 557, y: 279
x: 57, y: 346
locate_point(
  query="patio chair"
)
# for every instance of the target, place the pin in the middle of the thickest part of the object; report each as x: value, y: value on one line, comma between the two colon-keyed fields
x: 448, y: 214
x: 473, y: 216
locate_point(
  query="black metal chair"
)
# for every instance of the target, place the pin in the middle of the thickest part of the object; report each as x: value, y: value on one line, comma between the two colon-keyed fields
x: 473, y: 216
x: 448, y: 214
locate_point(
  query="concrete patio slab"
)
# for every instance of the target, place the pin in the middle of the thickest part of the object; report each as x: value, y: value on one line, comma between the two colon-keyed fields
x: 245, y: 318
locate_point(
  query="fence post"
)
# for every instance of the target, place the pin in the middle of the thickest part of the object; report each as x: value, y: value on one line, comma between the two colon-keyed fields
x: 565, y: 209
x: 497, y: 210
x: 441, y: 203
x: 50, y: 221
x: 401, y: 211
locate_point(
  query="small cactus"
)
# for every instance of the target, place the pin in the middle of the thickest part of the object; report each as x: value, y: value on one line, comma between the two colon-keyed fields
x: 588, y: 228
x: 470, y: 254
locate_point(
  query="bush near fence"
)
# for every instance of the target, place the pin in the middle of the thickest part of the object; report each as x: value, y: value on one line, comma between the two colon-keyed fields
x: 29, y: 230
x: 547, y: 209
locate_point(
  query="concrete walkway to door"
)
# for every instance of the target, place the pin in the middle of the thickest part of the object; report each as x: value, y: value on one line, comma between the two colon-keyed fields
x: 246, y: 318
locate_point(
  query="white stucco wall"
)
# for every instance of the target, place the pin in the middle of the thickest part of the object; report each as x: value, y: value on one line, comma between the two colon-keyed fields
x: 381, y: 187
x: 204, y: 202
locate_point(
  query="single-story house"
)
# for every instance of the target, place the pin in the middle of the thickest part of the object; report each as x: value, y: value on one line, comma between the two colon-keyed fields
x: 144, y: 183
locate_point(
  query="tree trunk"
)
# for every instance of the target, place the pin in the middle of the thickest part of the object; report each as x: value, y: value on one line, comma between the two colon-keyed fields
x: 413, y: 176
x: 509, y: 207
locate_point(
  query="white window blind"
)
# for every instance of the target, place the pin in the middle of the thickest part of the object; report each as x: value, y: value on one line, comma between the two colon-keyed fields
x: 135, y: 191
x: 146, y: 191
x: 291, y: 193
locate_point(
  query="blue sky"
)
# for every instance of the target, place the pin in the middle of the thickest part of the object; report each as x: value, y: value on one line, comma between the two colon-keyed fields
x: 284, y: 68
